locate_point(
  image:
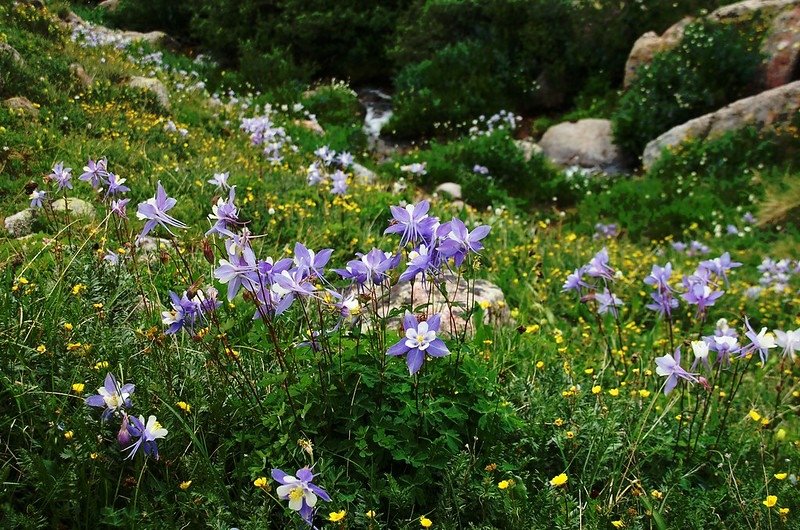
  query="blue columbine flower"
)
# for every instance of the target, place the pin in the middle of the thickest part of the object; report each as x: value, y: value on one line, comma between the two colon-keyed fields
x: 147, y: 434
x: 155, y: 211
x: 112, y: 396
x: 300, y: 491
x: 420, y: 340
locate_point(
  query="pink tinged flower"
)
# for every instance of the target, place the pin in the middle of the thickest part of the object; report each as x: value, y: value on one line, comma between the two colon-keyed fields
x: 420, y: 340
x: 154, y: 211
x: 112, y: 396
x: 146, y: 434
x: 669, y: 366
x: 118, y: 208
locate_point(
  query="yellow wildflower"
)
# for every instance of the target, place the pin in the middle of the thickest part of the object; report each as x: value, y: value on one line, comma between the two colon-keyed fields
x: 68, y: 435
x: 260, y: 482
x: 596, y: 389
x: 770, y: 501
x: 184, y: 406
x: 370, y: 514
x: 559, y: 480
x: 41, y: 348
x: 425, y: 522
x: 618, y: 524
x: 337, y: 516
x: 614, y: 392
x: 754, y: 415
x: 781, y: 476
x: 185, y: 485
x: 78, y: 388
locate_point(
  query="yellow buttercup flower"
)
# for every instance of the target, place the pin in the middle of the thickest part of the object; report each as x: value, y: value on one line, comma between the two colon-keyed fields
x: 614, y: 392
x: 69, y: 435
x: 41, y: 348
x: 644, y: 393
x: 754, y: 415
x: 185, y: 485
x: 618, y: 524
x: 260, y: 482
x: 425, y: 522
x: 596, y: 389
x: 184, y: 406
x: 781, y: 476
x: 370, y: 514
x: 559, y: 480
x: 78, y: 388
x: 336, y: 516
x: 770, y: 501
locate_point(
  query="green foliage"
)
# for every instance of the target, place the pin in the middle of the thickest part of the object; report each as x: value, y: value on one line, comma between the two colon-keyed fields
x: 700, y: 182
x: 713, y: 65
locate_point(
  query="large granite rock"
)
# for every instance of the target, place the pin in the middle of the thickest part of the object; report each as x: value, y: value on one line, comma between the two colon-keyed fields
x: 529, y: 148
x: 586, y: 143
x: 463, y: 296
x: 740, y: 10
x: 20, y: 224
x: 450, y: 189
x: 153, y: 86
x: 649, y: 44
x: 75, y: 206
x: 774, y: 106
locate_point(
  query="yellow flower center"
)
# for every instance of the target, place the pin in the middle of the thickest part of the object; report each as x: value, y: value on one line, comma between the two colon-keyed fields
x: 296, y: 494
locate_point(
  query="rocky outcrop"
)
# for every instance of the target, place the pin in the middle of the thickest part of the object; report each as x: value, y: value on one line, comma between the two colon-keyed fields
x: 746, y: 9
x: 153, y: 86
x: 109, y: 5
x: 649, y: 44
x: 763, y: 110
x: 782, y: 49
x: 20, y: 224
x: 463, y: 295
x: 75, y: 206
x: 22, y: 106
x: 6, y: 50
x: 586, y: 143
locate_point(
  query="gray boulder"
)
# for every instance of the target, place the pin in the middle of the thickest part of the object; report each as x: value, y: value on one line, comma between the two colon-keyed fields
x: 450, y: 189
x: 74, y: 206
x: 585, y: 143
x: 529, y: 148
x: 20, y: 224
x: 363, y: 175
x: 153, y: 86
x: 23, y: 106
x: 463, y: 296
x: 775, y: 106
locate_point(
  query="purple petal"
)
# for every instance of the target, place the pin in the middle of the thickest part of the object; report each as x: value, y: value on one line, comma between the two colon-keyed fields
x: 437, y: 348
x: 414, y: 360
x: 434, y: 322
x: 279, y: 475
x: 410, y: 321
x: 398, y: 349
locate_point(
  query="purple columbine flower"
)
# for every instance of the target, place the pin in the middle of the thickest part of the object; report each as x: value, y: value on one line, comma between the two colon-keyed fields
x: 659, y: 277
x: 95, y: 173
x: 313, y: 174
x: 412, y: 222
x: 370, y: 267
x: 605, y: 231
x: 339, y: 180
x: 607, y: 301
x: 326, y: 155
x: 420, y: 340
x: 679, y: 246
x: 37, y: 197
x: 309, y: 261
x: 720, y: 266
x: 724, y: 345
x: 220, y: 180
x: 701, y: 295
x: 155, y: 211
x: 111, y: 257
x: 147, y: 434
x: 111, y: 396
x: 459, y: 241
x: 575, y: 281
x: 598, y: 266
x: 763, y: 341
x: 184, y: 313
x: 669, y: 366
x: 420, y: 261
x: 749, y: 218
x: 345, y: 159
x: 224, y: 214
x: 663, y: 303
x: 62, y: 176
x: 295, y: 281
x: 300, y: 491
x: 118, y: 207
x: 116, y: 185
x: 480, y: 170
x: 239, y: 270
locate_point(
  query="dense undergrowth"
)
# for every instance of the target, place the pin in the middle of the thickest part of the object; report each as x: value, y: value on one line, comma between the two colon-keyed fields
x: 546, y: 409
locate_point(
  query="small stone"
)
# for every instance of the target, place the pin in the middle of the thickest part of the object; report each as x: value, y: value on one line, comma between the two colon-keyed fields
x: 310, y: 125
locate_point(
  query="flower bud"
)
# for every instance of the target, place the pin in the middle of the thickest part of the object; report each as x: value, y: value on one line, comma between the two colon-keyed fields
x: 123, y: 436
